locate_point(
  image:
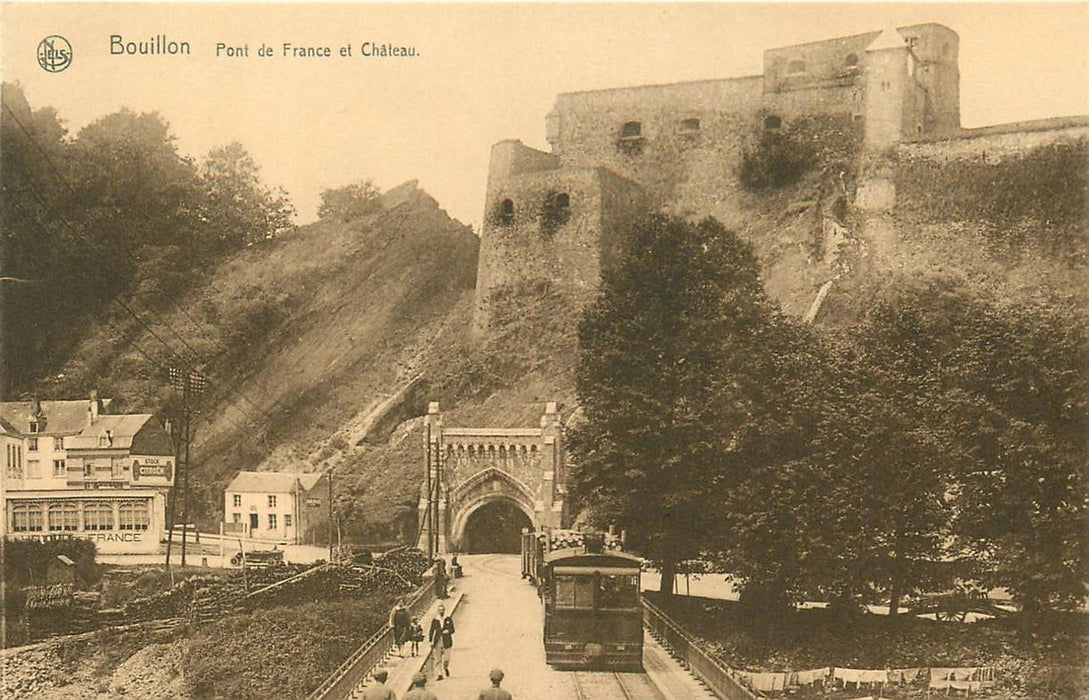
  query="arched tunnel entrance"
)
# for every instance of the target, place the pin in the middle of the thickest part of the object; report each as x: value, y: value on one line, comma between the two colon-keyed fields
x: 495, y: 527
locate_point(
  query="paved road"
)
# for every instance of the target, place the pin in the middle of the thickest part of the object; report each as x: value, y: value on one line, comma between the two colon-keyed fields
x: 499, y: 625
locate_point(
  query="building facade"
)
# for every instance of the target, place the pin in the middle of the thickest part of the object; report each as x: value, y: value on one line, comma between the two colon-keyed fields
x: 678, y: 148
x: 278, y: 507
x: 73, y: 470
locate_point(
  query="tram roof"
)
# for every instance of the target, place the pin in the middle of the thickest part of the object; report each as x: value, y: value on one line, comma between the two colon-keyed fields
x: 579, y: 556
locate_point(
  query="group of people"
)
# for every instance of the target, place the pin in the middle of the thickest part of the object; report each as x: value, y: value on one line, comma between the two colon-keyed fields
x: 420, y: 691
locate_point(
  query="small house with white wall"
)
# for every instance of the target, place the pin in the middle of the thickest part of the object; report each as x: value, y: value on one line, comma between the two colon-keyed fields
x: 278, y: 507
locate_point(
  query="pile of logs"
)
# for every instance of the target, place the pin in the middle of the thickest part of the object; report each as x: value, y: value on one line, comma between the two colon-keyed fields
x: 410, y: 563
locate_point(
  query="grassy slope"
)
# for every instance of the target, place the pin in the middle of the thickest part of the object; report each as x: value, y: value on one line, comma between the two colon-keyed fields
x: 312, y: 328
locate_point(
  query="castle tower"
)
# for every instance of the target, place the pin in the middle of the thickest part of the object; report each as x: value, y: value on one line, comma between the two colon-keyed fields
x: 936, y: 50
x: 889, y: 83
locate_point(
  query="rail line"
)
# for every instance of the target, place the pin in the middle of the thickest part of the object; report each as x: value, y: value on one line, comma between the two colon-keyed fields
x: 613, y: 685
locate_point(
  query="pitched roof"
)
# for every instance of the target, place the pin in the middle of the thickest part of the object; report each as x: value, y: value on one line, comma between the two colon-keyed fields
x: 889, y: 39
x: 61, y: 417
x: 272, y: 482
x: 120, y: 429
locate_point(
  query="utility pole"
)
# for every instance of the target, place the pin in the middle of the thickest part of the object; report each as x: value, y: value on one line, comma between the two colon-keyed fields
x: 192, y: 384
x: 175, y: 436
x: 329, y: 478
x: 430, y: 510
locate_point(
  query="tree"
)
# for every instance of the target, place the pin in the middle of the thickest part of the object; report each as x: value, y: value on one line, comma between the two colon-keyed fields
x: 240, y: 208
x: 1022, y: 499
x: 349, y: 202
x: 667, y: 370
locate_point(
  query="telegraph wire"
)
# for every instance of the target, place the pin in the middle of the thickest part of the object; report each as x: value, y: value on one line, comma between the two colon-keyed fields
x: 117, y: 300
x: 59, y: 176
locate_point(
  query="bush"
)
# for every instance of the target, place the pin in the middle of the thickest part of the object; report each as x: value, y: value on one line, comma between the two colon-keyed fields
x: 784, y: 155
x: 27, y: 562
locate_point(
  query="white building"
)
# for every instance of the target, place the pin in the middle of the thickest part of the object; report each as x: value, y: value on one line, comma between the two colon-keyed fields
x: 72, y: 470
x: 277, y: 506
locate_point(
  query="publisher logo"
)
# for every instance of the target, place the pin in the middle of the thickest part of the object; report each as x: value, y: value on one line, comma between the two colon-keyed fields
x: 54, y: 53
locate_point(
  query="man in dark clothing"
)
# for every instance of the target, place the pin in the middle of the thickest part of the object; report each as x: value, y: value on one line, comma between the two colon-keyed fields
x: 441, y: 636
x: 495, y: 692
x: 379, y: 691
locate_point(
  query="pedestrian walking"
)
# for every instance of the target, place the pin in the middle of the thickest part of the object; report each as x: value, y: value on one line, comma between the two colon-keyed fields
x: 495, y: 692
x: 441, y: 636
x: 379, y: 691
x: 416, y: 635
x: 440, y: 578
x: 419, y: 689
x: 399, y: 620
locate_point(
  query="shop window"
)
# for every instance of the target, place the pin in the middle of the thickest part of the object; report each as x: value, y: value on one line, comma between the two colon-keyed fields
x: 98, y: 516
x: 272, y: 501
x: 795, y: 67
x: 63, y: 517
x: 504, y: 216
x: 26, y: 517
x: 773, y: 121
x: 133, y: 516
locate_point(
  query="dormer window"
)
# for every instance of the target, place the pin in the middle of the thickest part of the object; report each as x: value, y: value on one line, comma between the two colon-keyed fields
x: 35, y: 427
x: 795, y: 67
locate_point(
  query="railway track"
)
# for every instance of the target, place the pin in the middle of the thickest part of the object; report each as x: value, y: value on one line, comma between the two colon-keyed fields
x: 612, y: 685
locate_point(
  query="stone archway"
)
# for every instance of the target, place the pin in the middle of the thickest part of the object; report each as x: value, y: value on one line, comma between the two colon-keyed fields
x: 470, y: 468
x: 491, y: 525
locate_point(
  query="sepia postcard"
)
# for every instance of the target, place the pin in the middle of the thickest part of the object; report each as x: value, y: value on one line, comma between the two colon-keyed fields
x: 544, y: 350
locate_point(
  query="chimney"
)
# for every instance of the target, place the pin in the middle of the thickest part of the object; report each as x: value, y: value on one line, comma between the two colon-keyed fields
x: 94, y: 406
x: 35, y: 407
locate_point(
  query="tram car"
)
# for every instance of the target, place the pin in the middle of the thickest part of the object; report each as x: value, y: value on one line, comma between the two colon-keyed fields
x: 593, y: 616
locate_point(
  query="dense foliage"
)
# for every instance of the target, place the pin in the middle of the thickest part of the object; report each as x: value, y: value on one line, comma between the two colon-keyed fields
x: 939, y: 441
x: 784, y: 153
x: 1035, y: 199
x: 113, y: 212
x: 669, y: 367
x: 349, y: 202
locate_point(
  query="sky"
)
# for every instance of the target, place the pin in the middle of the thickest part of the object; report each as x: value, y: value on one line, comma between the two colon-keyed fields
x: 484, y: 73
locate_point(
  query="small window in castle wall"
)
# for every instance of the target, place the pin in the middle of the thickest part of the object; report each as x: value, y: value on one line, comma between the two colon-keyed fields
x: 555, y: 213
x: 795, y: 67
x: 690, y: 127
x: 630, y: 141
x: 772, y: 121
x: 505, y: 215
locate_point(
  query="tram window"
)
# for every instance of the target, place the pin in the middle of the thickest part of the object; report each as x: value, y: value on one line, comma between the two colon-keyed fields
x: 574, y: 592
x: 618, y: 591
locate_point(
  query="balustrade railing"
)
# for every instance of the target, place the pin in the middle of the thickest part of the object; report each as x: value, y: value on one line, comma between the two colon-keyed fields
x: 715, y: 675
x: 340, y: 683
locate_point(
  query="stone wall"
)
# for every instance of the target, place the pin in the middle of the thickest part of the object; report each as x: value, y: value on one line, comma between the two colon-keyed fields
x: 997, y: 143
